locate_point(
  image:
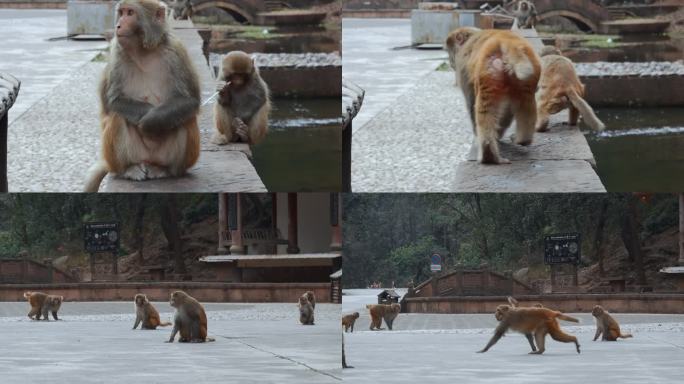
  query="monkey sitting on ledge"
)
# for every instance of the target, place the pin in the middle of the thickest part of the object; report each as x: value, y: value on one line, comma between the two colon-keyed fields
x: 241, y: 113
x: 150, y: 99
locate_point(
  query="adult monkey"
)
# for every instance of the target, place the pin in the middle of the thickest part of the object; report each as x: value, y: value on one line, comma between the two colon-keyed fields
x: 150, y: 98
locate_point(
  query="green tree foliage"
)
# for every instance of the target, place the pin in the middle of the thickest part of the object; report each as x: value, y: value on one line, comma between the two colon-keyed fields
x: 389, y: 237
x: 52, y: 224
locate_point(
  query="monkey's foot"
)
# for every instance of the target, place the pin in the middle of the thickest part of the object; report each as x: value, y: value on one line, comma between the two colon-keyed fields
x: 536, y: 352
x: 155, y: 172
x: 241, y: 130
x: 219, y: 139
x: 137, y: 172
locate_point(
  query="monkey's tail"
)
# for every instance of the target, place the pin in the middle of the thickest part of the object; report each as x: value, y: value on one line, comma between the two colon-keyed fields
x: 625, y: 335
x: 96, y: 174
x: 164, y: 324
x: 566, y: 317
x: 209, y: 339
x: 522, y: 67
x: 586, y: 111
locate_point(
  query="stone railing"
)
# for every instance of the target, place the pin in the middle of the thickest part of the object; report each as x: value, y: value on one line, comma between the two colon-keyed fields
x: 9, y: 90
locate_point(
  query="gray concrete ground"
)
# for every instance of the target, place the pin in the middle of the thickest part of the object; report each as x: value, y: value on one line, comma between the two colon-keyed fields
x: 94, y: 343
x: 40, y: 64
x: 442, y: 349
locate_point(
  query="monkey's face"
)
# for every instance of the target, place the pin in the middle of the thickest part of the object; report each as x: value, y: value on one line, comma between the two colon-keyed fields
x: 303, y: 300
x: 140, y: 299
x: 355, y: 315
x: 597, y: 311
x: 501, y: 312
x: 127, y: 25
x: 57, y: 301
x: 174, y: 300
x: 238, y: 80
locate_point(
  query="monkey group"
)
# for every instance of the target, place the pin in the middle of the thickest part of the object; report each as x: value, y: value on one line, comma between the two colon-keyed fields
x: 502, y: 78
x: 537, y: 321
x: 150, y: 100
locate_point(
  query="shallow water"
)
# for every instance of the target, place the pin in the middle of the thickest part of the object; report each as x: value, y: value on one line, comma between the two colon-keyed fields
x: 641, y: 149
x: 629, y: 49
x: 303, y: 149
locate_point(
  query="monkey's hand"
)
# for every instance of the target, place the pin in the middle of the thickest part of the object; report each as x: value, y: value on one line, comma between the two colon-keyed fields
x: 131, y: 110
x: 224, y: 94
x: 168, y: 116
x: 241, y: 130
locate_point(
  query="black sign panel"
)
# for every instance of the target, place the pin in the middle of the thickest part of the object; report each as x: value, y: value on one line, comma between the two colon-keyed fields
x: 101, y: 237
x: 564, y: 248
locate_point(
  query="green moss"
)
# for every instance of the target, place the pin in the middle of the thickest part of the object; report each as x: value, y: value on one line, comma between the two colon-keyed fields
x: 100, y: 58
x: 600, y: 41
x: 444, y: 67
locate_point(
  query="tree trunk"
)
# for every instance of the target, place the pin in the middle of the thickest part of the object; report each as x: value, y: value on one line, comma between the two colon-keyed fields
x: 681, y: 229
x: 139, y: 235
x: 484, y: 246
x: 169, y: 221
x: 631, y: 239
x: 598, y: 238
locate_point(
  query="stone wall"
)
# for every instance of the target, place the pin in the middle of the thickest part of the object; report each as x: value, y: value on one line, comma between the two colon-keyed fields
x: 160, y: 291
x: 619, y: 303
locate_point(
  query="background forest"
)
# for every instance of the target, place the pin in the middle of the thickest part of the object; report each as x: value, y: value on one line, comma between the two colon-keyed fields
x: 155, y: 228
x: 389, y: 237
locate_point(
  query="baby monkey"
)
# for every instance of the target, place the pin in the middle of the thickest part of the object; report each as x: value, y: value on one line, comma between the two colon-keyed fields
x: 241, y: 113
x: 147, y: 314
x: 306, y: 311
x: 607, y: 326
x: 349, y: 320
x: 559, y: 89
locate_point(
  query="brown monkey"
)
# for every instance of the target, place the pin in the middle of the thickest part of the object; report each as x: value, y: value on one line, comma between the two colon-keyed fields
x: 150, y: 99
x: 514, y: 303
x: 607, y: 325
x: 349, y: 320
x: 311, y: 297
x: 147, y: 314
x: 378, y: 312
x: 190, y: 319
x: 241, y: 113
x: 560, y: 88
x: 42, y: 303
x: 537, y: 321
x: 306, y: 311
x: 498, y: 72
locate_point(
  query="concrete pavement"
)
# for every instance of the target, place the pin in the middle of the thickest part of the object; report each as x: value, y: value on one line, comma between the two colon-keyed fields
x: 94, y: 343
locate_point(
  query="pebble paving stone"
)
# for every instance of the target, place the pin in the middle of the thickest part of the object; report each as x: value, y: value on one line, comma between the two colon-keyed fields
x: 94, y: 343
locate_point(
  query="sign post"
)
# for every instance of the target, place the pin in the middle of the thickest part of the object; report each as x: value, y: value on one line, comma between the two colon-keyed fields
x: 436, y: 263
x: 560, y: 252
x: 102, y: 237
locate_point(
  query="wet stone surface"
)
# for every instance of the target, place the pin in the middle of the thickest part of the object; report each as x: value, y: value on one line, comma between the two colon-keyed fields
x: 655, y: 68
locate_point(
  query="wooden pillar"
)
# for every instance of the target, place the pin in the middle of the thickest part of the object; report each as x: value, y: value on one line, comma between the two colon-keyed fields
x: 459, y: 278
x: 115, y: 266
x: 235, y: 224
x: 681, y: 229
x: 335, y: 222
x: 292, y: 238
x: 222, y: 248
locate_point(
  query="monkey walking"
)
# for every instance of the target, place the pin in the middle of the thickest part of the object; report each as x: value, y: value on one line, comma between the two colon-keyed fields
x: 559, y: 89
x: 42, y: 304
x: 147, y: 314
x: 531, y: 320
x: 190, y: 319
x: 349, y: 320
x: 498, y: 72
x: 306, y: 310
x: 530, y: 338
x: 607, y: 326
x: 378, y: 312
x: 149, y: 98
x: 241, y: 113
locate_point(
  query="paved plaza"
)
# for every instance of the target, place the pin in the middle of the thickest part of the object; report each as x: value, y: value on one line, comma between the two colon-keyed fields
x: 442, y: 349
x: 94, y: 343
